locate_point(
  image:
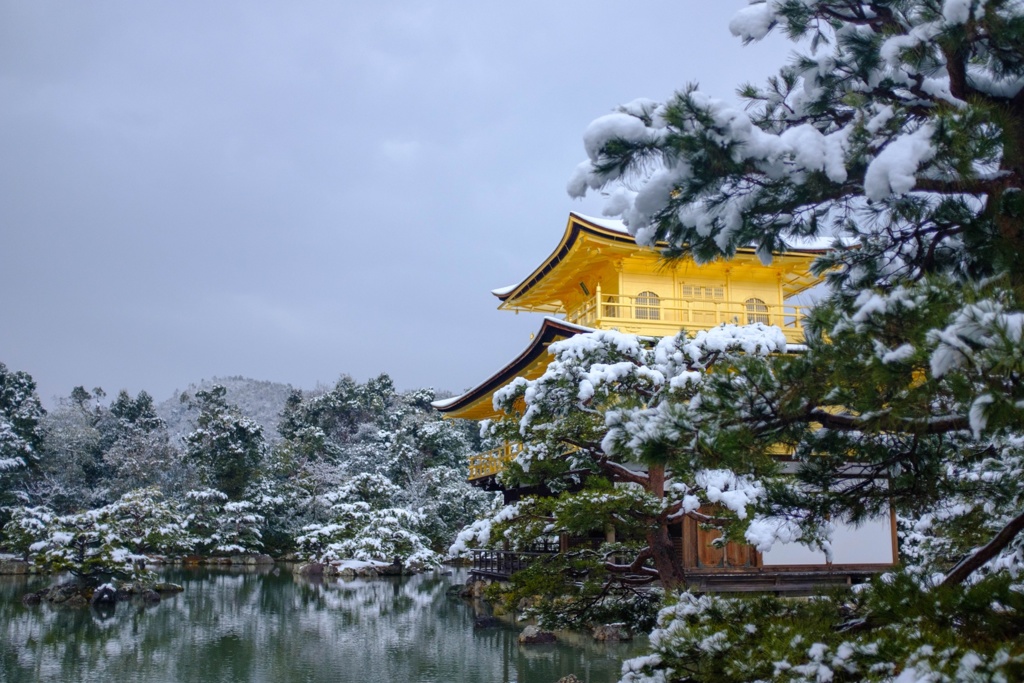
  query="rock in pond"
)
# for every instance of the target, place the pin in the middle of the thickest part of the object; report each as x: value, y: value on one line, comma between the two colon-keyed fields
x: 612, y: 633
x: 310, y: 569
x: 167, y: 587
x: 533, y: 635
x: 104, y: 595
x: 486, y: 622
x: 77, y: 600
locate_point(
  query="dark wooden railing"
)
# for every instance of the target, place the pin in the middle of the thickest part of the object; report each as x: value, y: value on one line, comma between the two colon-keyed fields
x: 501, y: 564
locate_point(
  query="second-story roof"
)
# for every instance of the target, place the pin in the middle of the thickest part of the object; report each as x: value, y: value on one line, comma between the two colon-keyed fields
x: 586, y: 239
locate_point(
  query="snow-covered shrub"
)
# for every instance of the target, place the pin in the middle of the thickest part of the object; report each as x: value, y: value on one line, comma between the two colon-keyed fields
x: 358, y: 531
x: 913, y: 631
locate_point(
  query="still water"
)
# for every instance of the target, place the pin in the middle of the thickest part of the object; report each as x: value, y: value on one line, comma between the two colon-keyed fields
x: 266, y: 625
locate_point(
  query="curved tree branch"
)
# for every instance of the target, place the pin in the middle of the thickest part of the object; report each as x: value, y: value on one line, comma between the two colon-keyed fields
x: 972, y: 563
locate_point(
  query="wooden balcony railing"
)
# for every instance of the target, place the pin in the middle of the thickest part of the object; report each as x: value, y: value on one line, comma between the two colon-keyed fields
x: 501, y: 564
x: 492, y: 461
x: 657, y: 315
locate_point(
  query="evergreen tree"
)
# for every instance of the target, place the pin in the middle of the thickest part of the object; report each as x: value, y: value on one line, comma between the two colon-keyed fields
x: 20, y: 433
x: 604, y: 429
x: 366, y: 524
x: 227, y: 448
x: 137, y: 450
x: 898, y: 134
x: 362, y: 432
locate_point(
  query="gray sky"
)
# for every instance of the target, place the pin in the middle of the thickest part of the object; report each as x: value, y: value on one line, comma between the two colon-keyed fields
x: 295, y: 190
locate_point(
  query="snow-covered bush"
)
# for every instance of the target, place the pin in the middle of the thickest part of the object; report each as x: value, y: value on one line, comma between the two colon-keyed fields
x: 359, y: 531
x: 26, y: 527
x: 89, y: 547
x: 954, y: 637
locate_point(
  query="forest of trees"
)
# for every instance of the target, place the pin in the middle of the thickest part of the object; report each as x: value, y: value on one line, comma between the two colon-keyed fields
x: 357, y: 471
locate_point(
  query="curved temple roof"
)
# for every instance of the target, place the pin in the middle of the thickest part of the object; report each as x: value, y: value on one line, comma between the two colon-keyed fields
x: 584, y: 234
x: 475, y: 404
x: 584, y: 239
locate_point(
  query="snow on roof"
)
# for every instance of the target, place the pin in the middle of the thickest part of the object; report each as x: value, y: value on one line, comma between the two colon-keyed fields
x: 817, y: 243
x: 501, y: 291
x: 445, y: 402
x: 607, y: 223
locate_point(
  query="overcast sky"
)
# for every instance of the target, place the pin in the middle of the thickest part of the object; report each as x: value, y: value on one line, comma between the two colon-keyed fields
x: 295, y: 190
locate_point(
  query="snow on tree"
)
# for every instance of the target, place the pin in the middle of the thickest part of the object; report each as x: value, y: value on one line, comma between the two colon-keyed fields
x: 96, y: 453
x: 201, y: 511
x: 73, y: 473
x: 608, y: 427
x: 142, y: 458
x: 448, y: 503
x: 217, y: 525
x: 365, y: 524
x: 898, y: 135
x: 26, y: 526
x: 239, y: 528
x: 20, y: 434
x: 360, y: 433
x: 146, y: 523
x: 140, y: 454
x: 87, y: 546
x: 259, y: 400
x: 100, y: 544
x: 227, y: 448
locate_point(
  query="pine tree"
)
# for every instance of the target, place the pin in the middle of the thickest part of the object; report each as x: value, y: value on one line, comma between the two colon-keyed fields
x: 20, y: 433
x: 227, y: 447
x: 605, y: 435
x: 898, y: 135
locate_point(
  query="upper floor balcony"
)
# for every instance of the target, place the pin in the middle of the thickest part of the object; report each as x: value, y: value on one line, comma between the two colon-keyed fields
x: 649, y: 314
x: 493, y: 461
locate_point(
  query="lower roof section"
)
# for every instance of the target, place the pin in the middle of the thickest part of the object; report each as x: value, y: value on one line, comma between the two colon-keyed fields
x: 477, y: 403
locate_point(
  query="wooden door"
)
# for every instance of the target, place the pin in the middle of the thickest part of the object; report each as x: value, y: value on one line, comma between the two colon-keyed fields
x: 699, y: 552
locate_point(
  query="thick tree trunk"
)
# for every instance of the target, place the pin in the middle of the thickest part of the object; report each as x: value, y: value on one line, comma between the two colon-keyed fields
x: 665, y: 557
x: 666, y: 560
x: 1009, y: 209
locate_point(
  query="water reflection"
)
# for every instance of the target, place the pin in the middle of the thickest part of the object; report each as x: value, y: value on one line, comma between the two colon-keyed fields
x: 266, y: 626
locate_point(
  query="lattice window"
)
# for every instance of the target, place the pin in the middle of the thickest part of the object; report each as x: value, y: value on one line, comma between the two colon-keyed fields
x: 693, y: 292
x: 757, y: 311
x: 648, y: 306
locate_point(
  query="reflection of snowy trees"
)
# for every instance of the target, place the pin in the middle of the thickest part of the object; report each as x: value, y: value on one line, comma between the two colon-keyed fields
x: 266, y: 627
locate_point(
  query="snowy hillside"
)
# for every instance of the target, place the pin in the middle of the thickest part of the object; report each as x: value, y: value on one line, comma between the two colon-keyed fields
x: 259, y: 400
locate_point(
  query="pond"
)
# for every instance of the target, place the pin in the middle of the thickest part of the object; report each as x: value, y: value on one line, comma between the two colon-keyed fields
x: 266, y: 625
